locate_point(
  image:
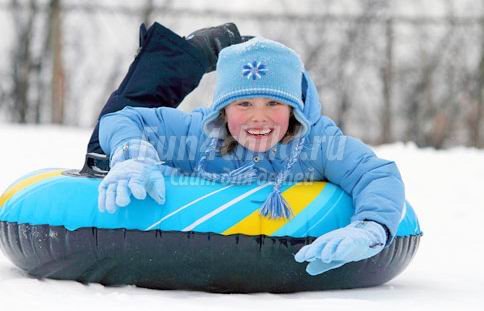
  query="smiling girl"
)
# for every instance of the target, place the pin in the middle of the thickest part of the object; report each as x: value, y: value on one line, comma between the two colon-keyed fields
x: 258, y: 124
x: 265, y: 120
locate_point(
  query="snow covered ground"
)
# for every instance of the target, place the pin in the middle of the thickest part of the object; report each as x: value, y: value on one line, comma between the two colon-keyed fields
x: 443, y: 186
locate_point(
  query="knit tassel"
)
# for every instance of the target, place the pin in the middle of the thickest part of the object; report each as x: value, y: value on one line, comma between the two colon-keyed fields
x: 276, y: 207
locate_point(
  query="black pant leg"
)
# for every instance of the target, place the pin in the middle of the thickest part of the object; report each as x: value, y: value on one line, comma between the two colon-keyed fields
x: 166, y: 69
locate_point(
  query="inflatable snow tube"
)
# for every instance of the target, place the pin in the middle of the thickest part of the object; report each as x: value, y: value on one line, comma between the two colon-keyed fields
x: 206, y: 237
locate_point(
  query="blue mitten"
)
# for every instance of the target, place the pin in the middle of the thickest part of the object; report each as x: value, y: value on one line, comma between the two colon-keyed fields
x: 357, y: 241
x: 134, y: 171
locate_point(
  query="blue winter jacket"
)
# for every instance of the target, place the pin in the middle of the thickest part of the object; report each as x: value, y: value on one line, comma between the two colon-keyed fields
x: 374, y: 184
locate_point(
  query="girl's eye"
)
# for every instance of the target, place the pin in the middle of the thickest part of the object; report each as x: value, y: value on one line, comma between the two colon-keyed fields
x: 273, y: 103
x: 243, y: 104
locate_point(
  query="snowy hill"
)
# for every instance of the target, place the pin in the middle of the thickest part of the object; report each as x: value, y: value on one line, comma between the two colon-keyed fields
x: 443, y: 186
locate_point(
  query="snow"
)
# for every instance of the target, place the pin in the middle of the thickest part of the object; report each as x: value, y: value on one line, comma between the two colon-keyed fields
x: 446, y: 274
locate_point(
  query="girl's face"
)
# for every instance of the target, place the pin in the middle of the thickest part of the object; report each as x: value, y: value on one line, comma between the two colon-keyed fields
x: 259, y: 123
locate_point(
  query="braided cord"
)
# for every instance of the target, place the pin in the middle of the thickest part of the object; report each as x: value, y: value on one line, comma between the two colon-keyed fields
x: 281, y: 177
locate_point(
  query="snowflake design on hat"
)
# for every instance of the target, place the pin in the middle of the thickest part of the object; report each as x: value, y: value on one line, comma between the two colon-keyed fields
x: 254, y: 70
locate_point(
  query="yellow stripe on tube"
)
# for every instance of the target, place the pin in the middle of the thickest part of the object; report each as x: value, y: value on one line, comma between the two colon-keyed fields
x: 298, y: 196
x: 24, y: 183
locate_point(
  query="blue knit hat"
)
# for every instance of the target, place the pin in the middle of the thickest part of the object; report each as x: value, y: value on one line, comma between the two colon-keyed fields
x: 256, y: 68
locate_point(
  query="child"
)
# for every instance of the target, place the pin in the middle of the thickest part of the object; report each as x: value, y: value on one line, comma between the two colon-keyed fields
x: 265, y: 121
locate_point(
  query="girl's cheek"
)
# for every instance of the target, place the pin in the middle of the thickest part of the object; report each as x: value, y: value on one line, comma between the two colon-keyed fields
x: 234, y: 128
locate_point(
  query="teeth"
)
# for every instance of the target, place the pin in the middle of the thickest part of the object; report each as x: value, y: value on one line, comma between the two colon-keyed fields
x: 259, y: 132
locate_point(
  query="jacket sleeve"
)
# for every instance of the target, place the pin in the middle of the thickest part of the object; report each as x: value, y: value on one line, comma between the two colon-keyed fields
x: 375, y: 184
x: 167, y: 129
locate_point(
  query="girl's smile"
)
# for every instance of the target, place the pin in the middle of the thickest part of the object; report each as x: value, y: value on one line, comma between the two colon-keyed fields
x: 257, y: 123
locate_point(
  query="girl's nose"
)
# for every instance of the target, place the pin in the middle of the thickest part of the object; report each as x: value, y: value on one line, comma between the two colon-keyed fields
x: 259, y: 114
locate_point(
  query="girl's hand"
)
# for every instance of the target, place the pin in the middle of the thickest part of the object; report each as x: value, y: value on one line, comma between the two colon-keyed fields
x: 357, y: 241
x: 134, y: 171
x: 130, y: 177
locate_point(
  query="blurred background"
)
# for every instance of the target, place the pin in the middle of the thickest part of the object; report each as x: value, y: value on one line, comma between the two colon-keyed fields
x: 407, y: 75
x: 387, y: 71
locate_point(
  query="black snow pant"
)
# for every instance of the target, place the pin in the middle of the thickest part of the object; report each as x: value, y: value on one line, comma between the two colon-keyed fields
x: 165, y: 70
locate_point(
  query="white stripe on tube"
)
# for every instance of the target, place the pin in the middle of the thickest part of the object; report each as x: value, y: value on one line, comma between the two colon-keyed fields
x: 185, y: 206
x: 224, y: 207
